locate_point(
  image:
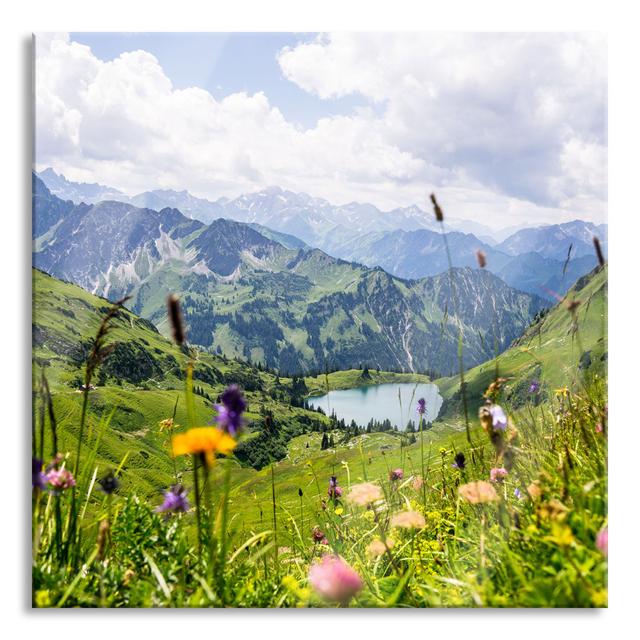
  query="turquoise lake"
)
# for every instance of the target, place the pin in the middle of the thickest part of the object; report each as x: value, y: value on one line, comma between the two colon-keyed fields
x: 380, y: 401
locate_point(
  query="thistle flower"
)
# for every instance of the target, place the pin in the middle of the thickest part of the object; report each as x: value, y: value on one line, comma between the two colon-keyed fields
x: 365, y: 494
x: 59, y: 479
x: 230, y: 411
x: 478, y: 492
x: 481, y: 256
x: 317, y: 534
x: 436, y: 209
x: 205, y: 441
x: 175, y: 500
x: 109, y: 483
x: 396, y: 474
x: 408, y: 520
x: 459, y: 461
x: 422, y: 406
x: 334, y: 580
x: 602, y: 541
x: 334, y: 491
x: 497, y: 474
x: 38, y: 478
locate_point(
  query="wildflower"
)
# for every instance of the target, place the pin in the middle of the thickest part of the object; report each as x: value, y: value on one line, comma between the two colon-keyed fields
x: 376, y: 548
x: 563, y: 392
x: 498, y: 418
x: 534, y: 387
x: 422, y: 406
x: 109, y: 483
x: 481, y: 256
x: 59, y: 480
x: 497, y: 474
x: 478, y: 492
x: 318, y: 535
x: 396, y: 474
x: 230, y: 411
x: 408, y: 520
x: 334, y: 491
x: 334, y: 580
x: 175, y: 500
x: 205, y: 441
x: 365, y: 494
x: 599, y: 427
x: 553, y: 510
x: 417, y: 483
x: 459, y: 461
x: 166, y: 425
x: 602, y: 541
x: 517, y: 493
x: 37, y: 476
x: 534, y: 490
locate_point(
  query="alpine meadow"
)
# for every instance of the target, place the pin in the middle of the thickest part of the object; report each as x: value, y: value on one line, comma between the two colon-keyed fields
x: 333, y: 334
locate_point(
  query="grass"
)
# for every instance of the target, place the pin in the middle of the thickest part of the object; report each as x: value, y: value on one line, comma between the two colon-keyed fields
x: 534, y: 544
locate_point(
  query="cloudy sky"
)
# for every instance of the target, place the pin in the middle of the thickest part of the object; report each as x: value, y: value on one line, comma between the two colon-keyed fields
x: 505, y: 128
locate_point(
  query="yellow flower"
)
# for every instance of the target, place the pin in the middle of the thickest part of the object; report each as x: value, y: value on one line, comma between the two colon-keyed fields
x: 167, y: 425
x: 408, y: 520
x: 562, y: 392
x: 43, y: 598
x: 478, y: 492
x: 207, y: 441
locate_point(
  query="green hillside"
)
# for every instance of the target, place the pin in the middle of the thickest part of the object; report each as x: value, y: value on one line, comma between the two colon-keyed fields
x: 556, y: 351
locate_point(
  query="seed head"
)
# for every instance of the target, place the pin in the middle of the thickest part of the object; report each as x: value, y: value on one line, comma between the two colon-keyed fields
x: 175, y: 319
x: 436, y: 209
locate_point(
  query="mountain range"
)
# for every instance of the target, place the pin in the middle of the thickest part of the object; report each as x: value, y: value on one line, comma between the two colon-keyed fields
x: 265, y: 296
x: 406, y: 242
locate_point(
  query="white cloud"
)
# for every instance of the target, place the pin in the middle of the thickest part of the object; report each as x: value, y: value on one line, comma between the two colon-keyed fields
x: 465, y: 115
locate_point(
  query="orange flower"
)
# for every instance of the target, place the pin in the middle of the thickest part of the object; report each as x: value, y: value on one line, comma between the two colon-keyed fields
x: 203, y: 440
x: 478, y: 492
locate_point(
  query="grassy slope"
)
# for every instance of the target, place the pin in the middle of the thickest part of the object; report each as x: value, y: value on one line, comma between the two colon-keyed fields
x: 65, y: 314
x: 548, y: 351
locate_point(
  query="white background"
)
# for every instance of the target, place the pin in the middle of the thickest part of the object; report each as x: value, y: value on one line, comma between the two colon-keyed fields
x: 21, y: 18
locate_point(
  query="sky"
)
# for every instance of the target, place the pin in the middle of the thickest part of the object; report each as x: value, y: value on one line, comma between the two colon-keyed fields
x: 506, y: 128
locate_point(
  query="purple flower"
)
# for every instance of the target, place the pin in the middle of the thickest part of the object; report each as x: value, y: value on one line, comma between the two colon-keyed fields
x: 334, y: 580
x: 517, y: 493
x: 334, y: 491
x: 498, y: 474
x: 174, y: 500
x: 459, y: 461
x: 498, y: 418
x: 109, y: 483
x: 422, y: 406
x: 535, y: 386
x: 230, y: 411
x: 37, y: 476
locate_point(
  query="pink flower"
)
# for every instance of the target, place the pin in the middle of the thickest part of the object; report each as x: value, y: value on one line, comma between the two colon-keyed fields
x: 602, y: 541
x: 59, y: 480
x: 498, y: 474
x: 334, y: 580
x: 599, y: 427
